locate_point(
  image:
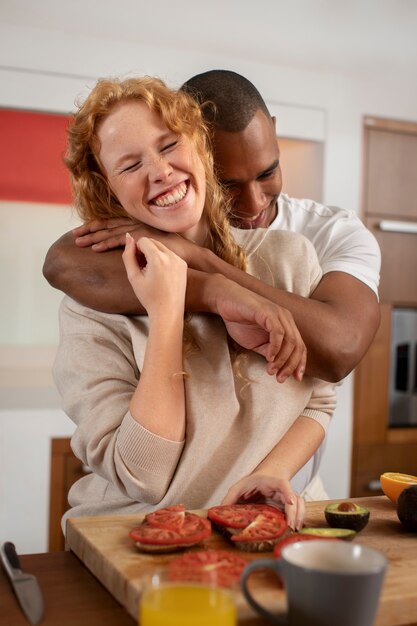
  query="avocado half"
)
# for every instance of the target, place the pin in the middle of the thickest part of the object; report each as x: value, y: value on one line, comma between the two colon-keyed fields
x: 337, y: 533
x: 407, y: 508
x: 346, y: 515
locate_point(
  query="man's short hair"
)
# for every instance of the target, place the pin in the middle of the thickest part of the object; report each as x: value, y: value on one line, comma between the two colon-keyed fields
x: 228, y: 100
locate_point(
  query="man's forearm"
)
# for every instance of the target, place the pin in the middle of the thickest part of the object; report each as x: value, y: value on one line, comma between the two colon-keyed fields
x: 95, y: 280
x: 337, y: 323
x: 99, y: 281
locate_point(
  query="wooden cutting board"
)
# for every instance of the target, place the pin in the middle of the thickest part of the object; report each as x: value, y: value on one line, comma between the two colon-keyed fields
x: 103, y: 545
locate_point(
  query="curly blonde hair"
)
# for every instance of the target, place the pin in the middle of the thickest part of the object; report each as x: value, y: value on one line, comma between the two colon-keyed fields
x: 93, y: 196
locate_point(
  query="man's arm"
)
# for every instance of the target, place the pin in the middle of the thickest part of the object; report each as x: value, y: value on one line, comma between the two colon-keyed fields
x: 98, y: 281
x: 337, y: 323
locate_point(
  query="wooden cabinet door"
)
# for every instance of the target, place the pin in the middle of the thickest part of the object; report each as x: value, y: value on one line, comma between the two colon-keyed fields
x: 398, y: 264
x: 390, y: 204
x: 372, y: 385
x: 391, y: 170
x: 376, y: 447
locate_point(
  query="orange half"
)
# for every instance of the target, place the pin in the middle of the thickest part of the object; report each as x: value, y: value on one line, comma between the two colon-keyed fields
x: 393, y: 483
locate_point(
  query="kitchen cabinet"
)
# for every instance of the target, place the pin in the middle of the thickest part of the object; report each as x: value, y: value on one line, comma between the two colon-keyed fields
x: 390, y: 212
x: 390, y: 204
x: 377, y: 448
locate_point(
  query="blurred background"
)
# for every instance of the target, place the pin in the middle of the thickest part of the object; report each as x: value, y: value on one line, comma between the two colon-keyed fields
x: 341, y: 78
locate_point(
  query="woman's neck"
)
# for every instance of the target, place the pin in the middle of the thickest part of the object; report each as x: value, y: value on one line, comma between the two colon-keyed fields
x: 198, y: 234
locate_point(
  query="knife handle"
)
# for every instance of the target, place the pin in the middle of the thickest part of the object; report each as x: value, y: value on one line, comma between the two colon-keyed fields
x: 9, y: 558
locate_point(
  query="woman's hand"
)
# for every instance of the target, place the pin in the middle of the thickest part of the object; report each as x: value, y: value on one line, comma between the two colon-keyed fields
x: 158, y: 276
x: 263, y: 488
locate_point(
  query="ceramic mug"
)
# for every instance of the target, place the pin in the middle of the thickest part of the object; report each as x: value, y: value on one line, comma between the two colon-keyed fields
x: 326, y: 583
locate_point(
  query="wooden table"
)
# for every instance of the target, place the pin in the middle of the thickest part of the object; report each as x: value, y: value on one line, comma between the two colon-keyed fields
x: 72, y: 596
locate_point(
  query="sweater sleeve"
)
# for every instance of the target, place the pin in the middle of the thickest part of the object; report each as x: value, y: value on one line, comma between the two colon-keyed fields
x: 96, y: 374
x: 322, y: 403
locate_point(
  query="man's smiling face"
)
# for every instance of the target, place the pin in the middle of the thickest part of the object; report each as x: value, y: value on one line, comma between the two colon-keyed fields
x: 247, y: 163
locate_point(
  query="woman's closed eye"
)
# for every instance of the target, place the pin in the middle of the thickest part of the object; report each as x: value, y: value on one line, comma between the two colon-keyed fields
x: 138, y: 164
x: 132, y: 168
x: 170, y: 146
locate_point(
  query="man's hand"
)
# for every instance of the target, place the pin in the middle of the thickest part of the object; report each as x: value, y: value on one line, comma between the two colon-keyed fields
x: 259, y: 487
x: 257, y: 324
x: 103, y: 235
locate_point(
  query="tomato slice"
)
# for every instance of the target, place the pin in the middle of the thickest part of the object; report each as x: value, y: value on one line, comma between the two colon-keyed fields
x: 169, y: 517
x: 192, y: 523
x: 193, y: 530
x: 218, y: 567
x: 295, y: 538
x: 239, y: 515
x: 266, y: 525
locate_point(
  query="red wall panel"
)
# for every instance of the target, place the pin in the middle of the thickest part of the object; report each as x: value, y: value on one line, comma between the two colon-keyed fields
x: 32, y: 146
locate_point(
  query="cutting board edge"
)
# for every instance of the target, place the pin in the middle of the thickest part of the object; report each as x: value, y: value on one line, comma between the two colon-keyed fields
x: 90, y: 557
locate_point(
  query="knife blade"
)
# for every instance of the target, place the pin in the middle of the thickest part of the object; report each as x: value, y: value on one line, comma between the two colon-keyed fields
x: 25, y: 585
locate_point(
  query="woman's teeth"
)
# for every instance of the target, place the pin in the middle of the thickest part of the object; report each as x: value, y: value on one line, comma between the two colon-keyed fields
x: 172, y: 196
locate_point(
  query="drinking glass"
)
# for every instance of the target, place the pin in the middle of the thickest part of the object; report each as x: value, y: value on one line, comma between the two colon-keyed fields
x: 167, y: 603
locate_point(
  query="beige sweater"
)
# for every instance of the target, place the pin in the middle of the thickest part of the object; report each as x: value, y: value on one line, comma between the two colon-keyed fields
x: 229, y: 430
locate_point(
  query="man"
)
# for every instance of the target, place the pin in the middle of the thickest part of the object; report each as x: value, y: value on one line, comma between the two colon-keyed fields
x: 340, y: 319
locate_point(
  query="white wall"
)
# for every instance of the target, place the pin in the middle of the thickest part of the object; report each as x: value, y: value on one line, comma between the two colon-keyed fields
x: 45, y: 70
x: 25, y: 440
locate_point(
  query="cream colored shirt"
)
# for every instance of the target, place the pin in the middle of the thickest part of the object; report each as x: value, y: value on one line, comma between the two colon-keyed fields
x: 229, y: 430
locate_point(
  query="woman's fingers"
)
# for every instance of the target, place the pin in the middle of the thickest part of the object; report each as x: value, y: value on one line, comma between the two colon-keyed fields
x: 295, y: 512
x: 130, y: 259
x: 157, y: 275
x: 278, y: 491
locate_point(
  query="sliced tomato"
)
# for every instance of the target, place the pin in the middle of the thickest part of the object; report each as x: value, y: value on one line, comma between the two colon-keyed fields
x: 219, y: 567
x: 239, y: 515
x: 295, y: 538
x: 193, y: 530
x: 169, y: 517
x: 192, y: 523
x: 266, y: 525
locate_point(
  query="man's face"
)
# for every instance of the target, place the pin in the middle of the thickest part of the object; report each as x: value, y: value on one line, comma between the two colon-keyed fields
x: 247, y: 164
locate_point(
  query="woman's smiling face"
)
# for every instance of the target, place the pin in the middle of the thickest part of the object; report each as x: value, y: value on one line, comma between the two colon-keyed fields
x: 156, y: 174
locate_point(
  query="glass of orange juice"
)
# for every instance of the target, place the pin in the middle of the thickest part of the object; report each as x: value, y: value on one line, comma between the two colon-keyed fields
x: 166, y: 603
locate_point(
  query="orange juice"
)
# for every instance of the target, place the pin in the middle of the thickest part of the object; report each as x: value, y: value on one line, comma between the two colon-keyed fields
x: 182, y: 604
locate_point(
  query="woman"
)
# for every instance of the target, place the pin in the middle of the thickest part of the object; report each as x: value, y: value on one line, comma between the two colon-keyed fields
x: 158, y: 424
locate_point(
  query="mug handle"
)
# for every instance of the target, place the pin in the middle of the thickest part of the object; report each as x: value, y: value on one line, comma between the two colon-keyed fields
x: 275, y: 565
